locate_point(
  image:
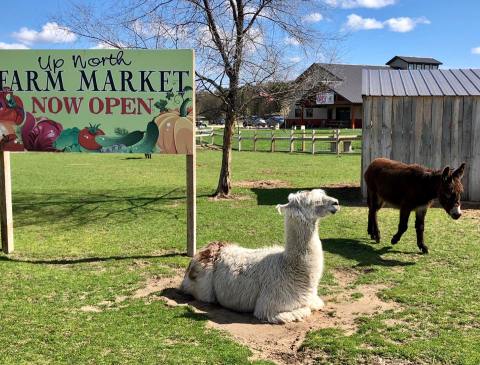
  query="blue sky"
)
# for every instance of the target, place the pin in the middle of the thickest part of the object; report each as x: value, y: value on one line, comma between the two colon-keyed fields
x: 376, y: 29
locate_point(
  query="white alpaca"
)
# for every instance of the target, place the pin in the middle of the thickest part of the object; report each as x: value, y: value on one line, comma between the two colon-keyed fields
x: 278, y: 285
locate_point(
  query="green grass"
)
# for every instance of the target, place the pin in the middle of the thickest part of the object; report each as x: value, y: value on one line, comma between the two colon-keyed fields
x: 90, y: 228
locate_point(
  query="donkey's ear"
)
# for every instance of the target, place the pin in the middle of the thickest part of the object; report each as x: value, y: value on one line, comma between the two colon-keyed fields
x: 446, y: 173
x: 281, y: 208
x: 458, y: 173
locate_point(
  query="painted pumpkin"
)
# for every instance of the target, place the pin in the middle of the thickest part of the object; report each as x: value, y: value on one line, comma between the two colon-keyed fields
x: 176, y: 131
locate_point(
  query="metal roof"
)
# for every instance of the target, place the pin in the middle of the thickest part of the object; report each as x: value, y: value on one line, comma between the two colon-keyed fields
x: 349, y: 77
x: 426, y: 60
x: 441, y: 82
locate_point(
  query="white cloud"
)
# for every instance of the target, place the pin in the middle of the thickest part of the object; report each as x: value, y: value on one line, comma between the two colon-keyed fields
x: 312, y: 18
x: 356, y: 22
x: 476, y: 50
x: 350, y: 4
x: 295, y: 59
x: 401, y: 24
x: 405, y: 24
x: 12, y: 46
x: 51, y: 33
x: 291, y: 41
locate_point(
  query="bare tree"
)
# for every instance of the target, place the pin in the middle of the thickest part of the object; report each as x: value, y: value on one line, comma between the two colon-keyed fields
x: 239, y: 44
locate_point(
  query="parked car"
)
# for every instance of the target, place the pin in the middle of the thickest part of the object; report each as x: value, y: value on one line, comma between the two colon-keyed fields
x: 219, y: 121
x: 201, y: 122
x: 255, y: 121
x: 273, y: 120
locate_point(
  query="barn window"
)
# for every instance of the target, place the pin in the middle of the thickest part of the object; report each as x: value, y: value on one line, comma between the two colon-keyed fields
x: 298, y: 112
x: 309, y: 113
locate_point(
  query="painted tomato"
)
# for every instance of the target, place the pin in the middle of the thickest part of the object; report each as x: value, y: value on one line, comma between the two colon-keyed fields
x: 86, y: 137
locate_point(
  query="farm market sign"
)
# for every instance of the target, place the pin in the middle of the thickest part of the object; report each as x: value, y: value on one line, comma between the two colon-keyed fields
x: 97, y: 101
x: 123, y: 101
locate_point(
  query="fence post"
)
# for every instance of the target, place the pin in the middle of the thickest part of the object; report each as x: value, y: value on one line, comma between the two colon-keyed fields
x: 313, y: 141
x: 337, y: 144
x: 213, y: 138
x: 239, y: 140
x: 303, y: 137
x: 272, y: 147
x: 291, y: 141
x: 255, y: 141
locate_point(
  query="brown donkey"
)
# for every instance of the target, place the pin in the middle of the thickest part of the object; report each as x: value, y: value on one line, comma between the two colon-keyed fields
x: 410, y: 187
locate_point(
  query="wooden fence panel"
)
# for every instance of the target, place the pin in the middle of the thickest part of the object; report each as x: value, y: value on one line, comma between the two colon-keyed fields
x: 417, y: 116
x: 426, y: 134
x: 386, y: 123
x: 437, y: 113
x: 397, y: 129
x: 457, y: 115
x: 366, y: 141
x: 446, y: 128
x: 466, y: 145
x: 474, y: 185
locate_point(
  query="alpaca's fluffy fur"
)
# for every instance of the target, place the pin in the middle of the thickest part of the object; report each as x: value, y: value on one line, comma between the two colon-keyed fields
x: 277, y: 284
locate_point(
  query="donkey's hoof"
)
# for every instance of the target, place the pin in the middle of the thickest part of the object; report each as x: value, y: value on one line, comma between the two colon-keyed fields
x: 395, y: 240
x: 424, y: 250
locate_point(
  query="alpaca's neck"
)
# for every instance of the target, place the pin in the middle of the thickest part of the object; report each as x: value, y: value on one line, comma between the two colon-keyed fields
x: 301, y: 239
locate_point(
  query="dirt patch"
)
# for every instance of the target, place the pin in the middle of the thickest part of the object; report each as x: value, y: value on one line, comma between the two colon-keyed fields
x: 471, y: 214
x: 90, y: 309
x: 262, y: 184
x: 280, y: 343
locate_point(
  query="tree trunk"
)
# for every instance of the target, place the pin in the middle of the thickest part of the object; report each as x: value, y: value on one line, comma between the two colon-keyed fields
x: 224, y: 182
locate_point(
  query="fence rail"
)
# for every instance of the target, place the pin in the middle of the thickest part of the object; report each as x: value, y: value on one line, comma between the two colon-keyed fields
x: 310, y: 141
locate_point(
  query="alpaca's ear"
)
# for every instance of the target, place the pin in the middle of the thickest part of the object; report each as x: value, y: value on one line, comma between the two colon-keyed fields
x: 281, y: 208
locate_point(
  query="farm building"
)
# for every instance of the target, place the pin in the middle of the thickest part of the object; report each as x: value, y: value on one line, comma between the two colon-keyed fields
x: 426, y: 116
x: 338, y: 102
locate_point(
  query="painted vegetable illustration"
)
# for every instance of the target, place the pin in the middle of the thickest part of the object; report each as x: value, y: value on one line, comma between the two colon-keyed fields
x: 42, y: 136
x: 127, y: 139
x: 147, y: 143
x: 11, y: 107
x: 67, y: 141
x: 86, y: 137
x: 176, y: 130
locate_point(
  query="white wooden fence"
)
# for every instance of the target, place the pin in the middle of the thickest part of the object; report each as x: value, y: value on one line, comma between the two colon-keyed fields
x: 338, y: 143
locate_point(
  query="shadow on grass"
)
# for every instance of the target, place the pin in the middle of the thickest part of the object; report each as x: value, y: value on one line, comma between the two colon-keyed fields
x: 80, y: 209
x: 364, y: 254
x: 348, y: 195
x: 82, y: 260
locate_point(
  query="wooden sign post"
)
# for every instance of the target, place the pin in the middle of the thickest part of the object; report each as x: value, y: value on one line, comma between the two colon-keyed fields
x: 191, y: 204
x: 6, y: 203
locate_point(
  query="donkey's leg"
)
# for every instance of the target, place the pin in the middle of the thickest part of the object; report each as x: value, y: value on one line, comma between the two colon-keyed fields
x: 419, y: 227
x: 375, y: 203
x: 370, y: 220
x: 402, y: 226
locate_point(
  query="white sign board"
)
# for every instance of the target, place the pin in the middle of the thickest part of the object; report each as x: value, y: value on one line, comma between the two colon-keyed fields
x: 325, y: 98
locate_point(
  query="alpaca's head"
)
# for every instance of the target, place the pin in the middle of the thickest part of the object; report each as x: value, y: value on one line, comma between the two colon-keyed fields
x: 309, y: 206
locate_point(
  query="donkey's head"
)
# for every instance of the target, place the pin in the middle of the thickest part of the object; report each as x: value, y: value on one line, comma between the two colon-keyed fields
x: 450, y: 191
x: 309, y: 206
